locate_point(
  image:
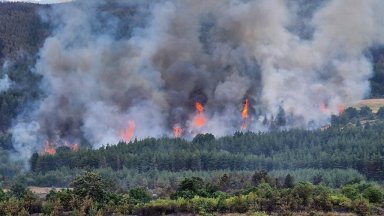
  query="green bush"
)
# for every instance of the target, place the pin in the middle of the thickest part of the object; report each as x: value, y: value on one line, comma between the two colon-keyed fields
x: 89, y: 184
x: 341, y: 202
x: 139, y: 195
x: 351, y: 191
x: 374, y: 194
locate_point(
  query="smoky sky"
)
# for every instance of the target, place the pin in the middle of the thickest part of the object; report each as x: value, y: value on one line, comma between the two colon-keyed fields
x: 109, y: 63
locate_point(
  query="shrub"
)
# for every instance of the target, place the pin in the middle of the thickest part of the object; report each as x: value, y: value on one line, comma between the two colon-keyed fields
x: 351, y: 192
x: 374, y: 194
x: 139, y: 195
x: 361, y: 207
x: 89, y: 184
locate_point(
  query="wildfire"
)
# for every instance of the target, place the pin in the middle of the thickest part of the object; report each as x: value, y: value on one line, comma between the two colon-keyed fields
x: 49, y: 149
x: 75, y: 147
x: 323, y: 107
x: 200, y: 118
x: 341, y: 109
x: 127, y: 134
x: 244, y: 114
x: 177, y: 131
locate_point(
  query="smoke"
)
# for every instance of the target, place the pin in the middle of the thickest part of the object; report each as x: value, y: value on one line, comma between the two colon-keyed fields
x: 5, y: 82
x: 150, y: 61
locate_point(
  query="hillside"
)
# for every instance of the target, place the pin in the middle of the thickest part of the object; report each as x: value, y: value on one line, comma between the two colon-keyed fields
x: 21, y: 29
x: 115, y: 107
x: 348, y: 144
x: 373, y: 104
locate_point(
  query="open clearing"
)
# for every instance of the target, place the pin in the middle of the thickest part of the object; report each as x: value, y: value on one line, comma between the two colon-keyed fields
x: 374, y: 104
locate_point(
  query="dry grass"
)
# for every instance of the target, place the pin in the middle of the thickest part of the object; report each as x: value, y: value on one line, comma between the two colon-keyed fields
x: 374, y: 104
x: 43, y: 191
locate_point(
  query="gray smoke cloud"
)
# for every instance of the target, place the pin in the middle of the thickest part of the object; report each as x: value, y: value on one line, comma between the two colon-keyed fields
x: 297, y: 59
x: 5, y: 83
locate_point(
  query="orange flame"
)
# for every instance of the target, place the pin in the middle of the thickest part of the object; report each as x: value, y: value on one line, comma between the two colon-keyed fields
x: 323, y: 107
x: 341, y: 109
x: 75, y: 147
x: 177, y: 131
x: 49, y: 149
x: 127, y: 134
x: 244, y: 114
x: 199, y: 107
x: 200, y: 118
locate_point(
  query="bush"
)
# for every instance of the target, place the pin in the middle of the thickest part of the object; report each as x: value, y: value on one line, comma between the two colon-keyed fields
x: 341, y: 202
x: 351, y: 192
x: 374, y: 194
x: 139, y: 195
x: 236, y: 204
x: 17, y: 190
x: 89, y: 184
x: 189, y: 188
x: 203, y: 205
x: 361, y: 207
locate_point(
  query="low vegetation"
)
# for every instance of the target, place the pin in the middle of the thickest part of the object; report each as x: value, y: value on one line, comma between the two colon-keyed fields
x: 263, y: 195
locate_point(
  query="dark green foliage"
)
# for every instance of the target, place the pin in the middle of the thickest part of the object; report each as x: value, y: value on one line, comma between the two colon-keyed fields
x: 380, y: 113
x: 139, y: 195
x: 21, y: 29
x: 317, y: 179
x: 374, y: 194
x: 365, y: 111
x: 289, y: 181
x: 377, y: 81
x: 189, y: 188
x: 18, y: 190
x: 259, y: 177
x: 89, y: 185
x: 224, y: 183
x: 3, y: 195
x: 303, y: 195
x: 203, y: 138
x: 33, y: 161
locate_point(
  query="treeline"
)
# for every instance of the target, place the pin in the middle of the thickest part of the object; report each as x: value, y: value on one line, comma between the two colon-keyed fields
x: 358, y: 117
x: 357, y: 147
x: 21, y: 29
x: 160, y: 181
x: 262, y: 195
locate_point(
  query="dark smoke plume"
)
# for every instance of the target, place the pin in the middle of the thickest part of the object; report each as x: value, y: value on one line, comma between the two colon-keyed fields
x: 151, y: 61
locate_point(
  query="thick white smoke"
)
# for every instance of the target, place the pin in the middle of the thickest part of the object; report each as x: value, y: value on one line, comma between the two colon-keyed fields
x: 175, y: 53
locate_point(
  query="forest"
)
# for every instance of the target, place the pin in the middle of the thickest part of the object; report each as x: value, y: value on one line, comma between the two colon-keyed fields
x: 337, y: 168
x: 353, y: 141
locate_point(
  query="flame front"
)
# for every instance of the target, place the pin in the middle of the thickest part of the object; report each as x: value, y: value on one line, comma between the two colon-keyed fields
x: 49, y: 149
x: 127, y: 134
x: 324, y: 107
x: 341, y: 108
x: 177, y: 131
x: 75, y: 147
x: 245, y: 114
x: 200, y: 118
